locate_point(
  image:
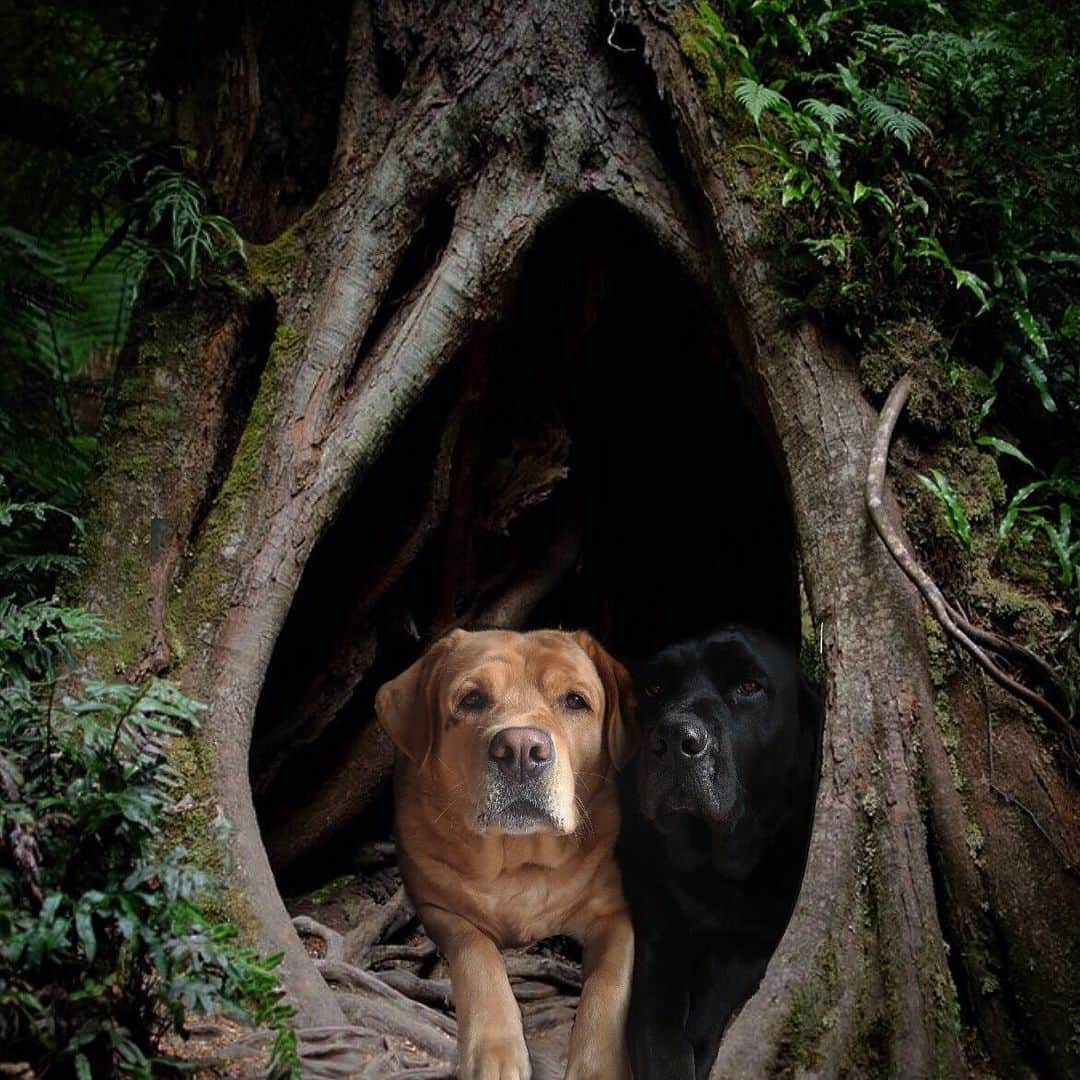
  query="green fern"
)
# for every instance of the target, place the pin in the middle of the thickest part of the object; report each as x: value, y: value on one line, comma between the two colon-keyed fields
x: 830, y: 114
x: 889, y: 120
x: 758, y: 99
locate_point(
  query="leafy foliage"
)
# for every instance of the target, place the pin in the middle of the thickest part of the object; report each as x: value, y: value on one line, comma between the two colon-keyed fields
x: 926, y: 165
x: 104, y: 945
x: 955, y: 515
x: 1046, y: 508
x: 173, y: 229
x: 96, y: 201
x: 918, y: 147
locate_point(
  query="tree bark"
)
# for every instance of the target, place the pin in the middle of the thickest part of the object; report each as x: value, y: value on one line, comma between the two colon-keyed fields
x: 251, y: 418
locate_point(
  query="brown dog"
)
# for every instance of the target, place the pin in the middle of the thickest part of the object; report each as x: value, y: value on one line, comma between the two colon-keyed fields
x: 507, y: 816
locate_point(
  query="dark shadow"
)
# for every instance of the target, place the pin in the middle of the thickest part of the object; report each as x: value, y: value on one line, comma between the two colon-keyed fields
x: 606, y: 409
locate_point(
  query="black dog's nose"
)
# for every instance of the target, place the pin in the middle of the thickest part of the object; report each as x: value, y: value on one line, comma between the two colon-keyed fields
x: 682, y: 738
x: 521, y: 752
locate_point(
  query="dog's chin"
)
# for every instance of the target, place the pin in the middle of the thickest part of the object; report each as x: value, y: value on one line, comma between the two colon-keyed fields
x: 669, y: 807
x: 522, y: 816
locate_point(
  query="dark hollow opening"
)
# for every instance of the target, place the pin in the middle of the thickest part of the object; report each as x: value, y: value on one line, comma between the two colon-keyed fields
x: 606, y: 474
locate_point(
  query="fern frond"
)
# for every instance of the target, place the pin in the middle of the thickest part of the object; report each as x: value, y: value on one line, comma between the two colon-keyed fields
x: 825, y: 112
x: 889, y: 120
x: 757, y: 98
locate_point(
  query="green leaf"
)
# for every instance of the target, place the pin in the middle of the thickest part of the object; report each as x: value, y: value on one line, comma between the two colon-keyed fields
x: 84, y: 926
x: 1015, y: 507
x: 1030, y: 327
x: 1004, y: 447
x: 889, y: 120
x: 1038, y: 379
x: 955, y: 516
x: 757, y: 98
x: 1060, y: 546
x: 827, y: 113
x: 82, y: 1067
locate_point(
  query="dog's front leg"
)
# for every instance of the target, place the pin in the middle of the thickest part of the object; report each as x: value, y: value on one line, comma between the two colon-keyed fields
x: 491, y: 1045
x: 598, y: 1041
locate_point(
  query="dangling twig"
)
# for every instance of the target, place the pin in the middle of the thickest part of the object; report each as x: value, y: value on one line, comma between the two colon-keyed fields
x: 952, y: 622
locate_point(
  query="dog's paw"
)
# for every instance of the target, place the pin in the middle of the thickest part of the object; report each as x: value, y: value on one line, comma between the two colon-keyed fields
x: 497, y: 1058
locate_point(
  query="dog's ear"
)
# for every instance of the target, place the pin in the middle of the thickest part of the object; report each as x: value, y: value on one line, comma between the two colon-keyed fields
x: 407, y: 707
x: 620, y: 721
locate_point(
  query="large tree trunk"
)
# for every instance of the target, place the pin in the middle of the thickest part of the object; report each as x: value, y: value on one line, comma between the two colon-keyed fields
x: 463, y: 210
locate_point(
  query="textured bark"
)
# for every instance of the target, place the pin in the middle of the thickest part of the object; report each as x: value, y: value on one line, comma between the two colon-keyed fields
x: 464, y: 134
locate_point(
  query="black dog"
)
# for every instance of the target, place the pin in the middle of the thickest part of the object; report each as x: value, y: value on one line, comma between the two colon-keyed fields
x: 714, y: 838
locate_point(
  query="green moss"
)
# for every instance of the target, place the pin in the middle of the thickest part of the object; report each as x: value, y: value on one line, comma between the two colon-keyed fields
x: 141, y: 460
x: 800, y: 1033
x: 196, y: 826
x: 733, y: 156
x: 331, y: 891
x: 943, y: 393
x: 705, y: 59
x: 975, y: 841
x: 975, y: 478
x: 810, y: 1016
x: 942, y: 658
x: 203, y: 598
x: 943, y: 666
x: 945, y: 1006
x: 1029, y: 618
x: 193, y: 827
x: 273, y: 266
x: 950, y: 736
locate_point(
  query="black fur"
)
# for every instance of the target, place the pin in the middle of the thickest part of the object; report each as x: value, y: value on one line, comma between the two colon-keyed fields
x: 716, y: 825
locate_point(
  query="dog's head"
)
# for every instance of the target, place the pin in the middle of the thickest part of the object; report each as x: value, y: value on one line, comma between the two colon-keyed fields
x: 512, y: 732
x: 729, y: 727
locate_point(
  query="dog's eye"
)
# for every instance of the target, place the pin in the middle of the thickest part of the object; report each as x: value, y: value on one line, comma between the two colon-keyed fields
x: 474, y: 701
x: 748, y: 687
x: 653, y: 690
x: 575, y: 702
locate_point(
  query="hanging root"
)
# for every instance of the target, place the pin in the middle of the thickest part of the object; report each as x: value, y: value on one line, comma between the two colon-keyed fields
x: 959, y: 629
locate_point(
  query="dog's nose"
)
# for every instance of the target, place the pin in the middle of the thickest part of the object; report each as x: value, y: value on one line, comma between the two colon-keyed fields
x: 681, y: 739
x: 521, y: 752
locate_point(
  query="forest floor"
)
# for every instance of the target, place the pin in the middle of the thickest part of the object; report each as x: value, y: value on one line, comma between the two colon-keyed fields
x: 358, y: 925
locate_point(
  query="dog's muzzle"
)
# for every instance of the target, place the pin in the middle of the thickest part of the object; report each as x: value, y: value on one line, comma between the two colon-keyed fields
x: 681, y: 772
x: 520, y: 783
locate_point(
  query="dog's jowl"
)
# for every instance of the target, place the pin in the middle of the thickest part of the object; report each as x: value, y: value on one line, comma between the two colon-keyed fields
x: 507, y: 815
x: 717, y: 818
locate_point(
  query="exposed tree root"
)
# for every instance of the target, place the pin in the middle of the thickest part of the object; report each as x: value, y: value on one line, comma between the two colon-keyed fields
x: 433, y: 992
x: 952, y: 622
x: 382, y: 922
x: 334, y: 942
x: 404, y: 1003
x: 382, y: 954
x: 544, y: 969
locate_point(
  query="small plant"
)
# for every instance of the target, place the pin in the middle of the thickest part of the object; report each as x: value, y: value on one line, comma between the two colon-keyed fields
x: 104, y: 945
x: 955, y: 517
x: 902, y: 150
x: 1046, y: 507
x: 168, y: 225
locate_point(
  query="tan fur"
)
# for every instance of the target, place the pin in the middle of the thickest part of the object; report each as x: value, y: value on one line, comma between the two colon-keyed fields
x: 477, y: 887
